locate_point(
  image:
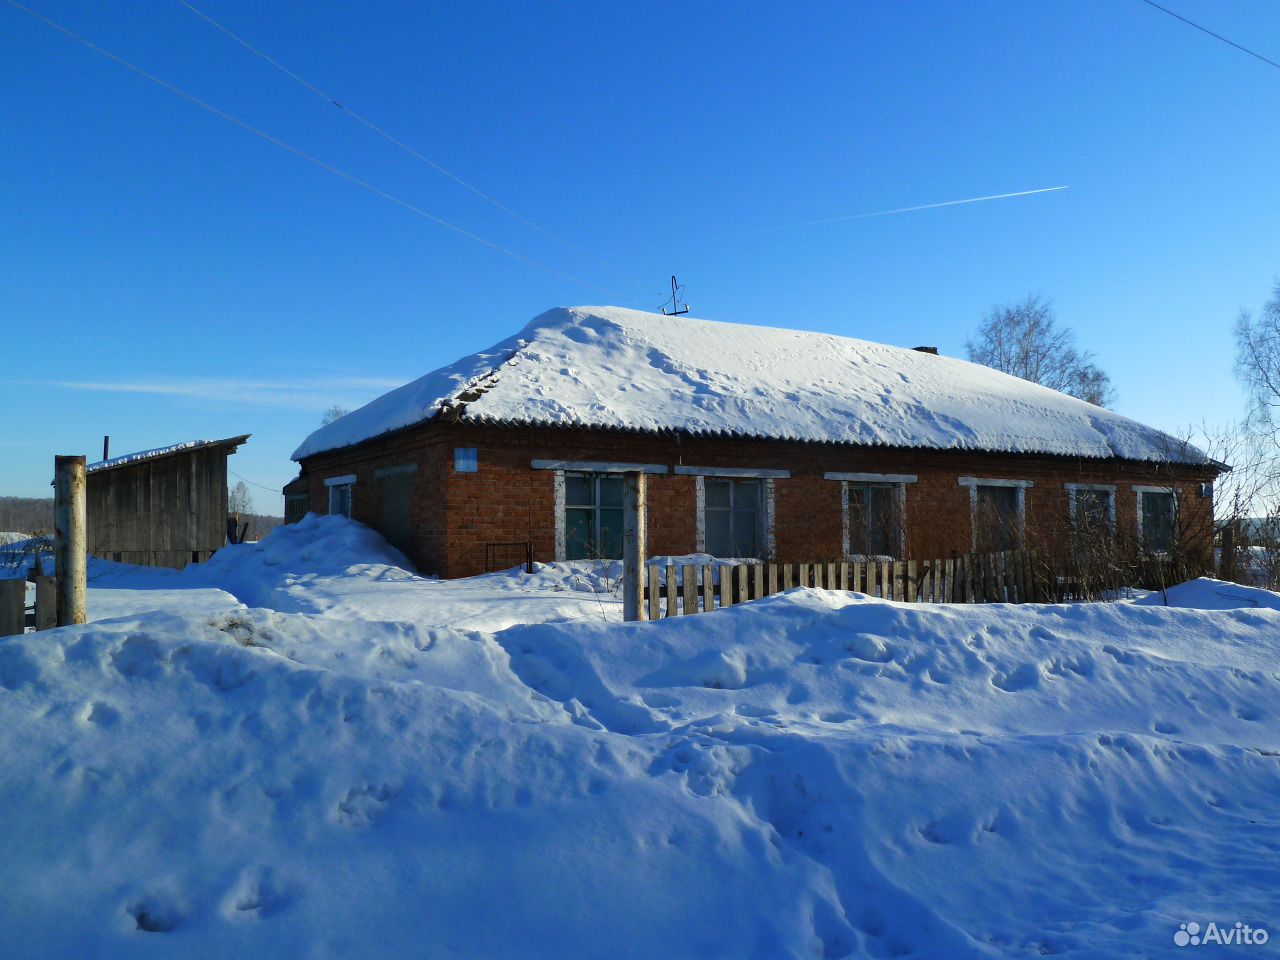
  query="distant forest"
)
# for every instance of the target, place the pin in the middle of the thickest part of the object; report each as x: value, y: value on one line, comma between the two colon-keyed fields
x: 35, y: 515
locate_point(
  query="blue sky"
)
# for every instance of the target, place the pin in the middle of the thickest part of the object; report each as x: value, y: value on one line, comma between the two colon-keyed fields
x: 166, y: 275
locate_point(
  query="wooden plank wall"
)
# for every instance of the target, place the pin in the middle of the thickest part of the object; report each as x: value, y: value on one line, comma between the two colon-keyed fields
x: 164, y: 512
x: 1008, y: 577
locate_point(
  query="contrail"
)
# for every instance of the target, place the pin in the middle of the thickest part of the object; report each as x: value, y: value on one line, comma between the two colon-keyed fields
x: 923, y: 206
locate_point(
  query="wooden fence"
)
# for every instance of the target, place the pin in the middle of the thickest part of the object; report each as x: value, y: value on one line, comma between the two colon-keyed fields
x: 1012, y: 576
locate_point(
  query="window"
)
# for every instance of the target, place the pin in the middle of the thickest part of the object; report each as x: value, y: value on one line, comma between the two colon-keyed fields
x: 466, y: 460
x: 732, y: 515
x: 1093, y: 508
x: 875, y: 519
x: 998, y: 517
x: 1156, y: 510
x: 340, y: 500
x: 340, y: 491
x: 592, y: 516
x: 998, y: 510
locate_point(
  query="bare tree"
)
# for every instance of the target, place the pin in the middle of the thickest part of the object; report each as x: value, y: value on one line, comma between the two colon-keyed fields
x: 1258, y: 364
x: 1024, y: 339
x: 333, y: 413
x: 239, y: 501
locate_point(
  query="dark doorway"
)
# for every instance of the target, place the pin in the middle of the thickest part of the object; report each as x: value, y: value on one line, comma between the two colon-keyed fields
x: 397, y: 513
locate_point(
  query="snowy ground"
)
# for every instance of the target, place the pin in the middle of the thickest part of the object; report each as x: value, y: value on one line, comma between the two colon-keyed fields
x: 357, y: 762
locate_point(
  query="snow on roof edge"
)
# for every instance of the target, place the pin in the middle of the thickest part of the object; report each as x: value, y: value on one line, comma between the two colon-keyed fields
x: 616, y: 369
x: 158, y: 452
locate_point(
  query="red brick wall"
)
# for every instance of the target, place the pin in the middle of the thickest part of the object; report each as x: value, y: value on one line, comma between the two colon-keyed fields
x: 456, y: 514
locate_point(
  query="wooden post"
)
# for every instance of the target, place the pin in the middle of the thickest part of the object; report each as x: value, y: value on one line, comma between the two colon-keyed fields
x: 69, y: 545
x: 726, y: 586
x: 757, y: 581
x: 912, y: 585
x: 46, y: 603
x: 13, y: 607
x: 773, y: 578
x: 708, y: 586
x: 655, y: 592
x: 1227, y: 559
x: 633, y: 546
x: 673, y: 591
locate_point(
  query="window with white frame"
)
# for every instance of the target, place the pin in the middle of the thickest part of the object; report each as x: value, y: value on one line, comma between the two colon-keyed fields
x: 734, y: 516
x: 1157, y: 518
x: 589, y: 505
x: 998, y: 511
x: 593, y: 516
x: 735, y: 509
x: 340, y: 495
x: 1093, y: 507
x: 875, y: 519
x: 874, y: 513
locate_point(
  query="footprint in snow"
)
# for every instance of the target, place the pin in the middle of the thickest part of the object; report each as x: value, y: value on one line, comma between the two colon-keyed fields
x: 100, y: 714
x: 363, y: 806
x: 1025, y: 677
x: 256, y: 894
x: 154, y: 915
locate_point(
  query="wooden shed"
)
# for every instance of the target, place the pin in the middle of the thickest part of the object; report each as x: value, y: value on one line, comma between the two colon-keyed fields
x: 162, y: 508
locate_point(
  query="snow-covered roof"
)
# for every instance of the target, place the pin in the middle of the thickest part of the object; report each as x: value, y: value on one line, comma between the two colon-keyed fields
x: 613, y: 368
x: 158, y: 452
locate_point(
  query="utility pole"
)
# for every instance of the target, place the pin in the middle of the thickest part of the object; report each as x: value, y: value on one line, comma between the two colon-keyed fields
x: 69, y: 544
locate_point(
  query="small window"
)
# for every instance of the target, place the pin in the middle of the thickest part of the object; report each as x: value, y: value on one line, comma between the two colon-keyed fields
x: 593, y: 516
x: 732, y: 513
x: 340, y: 499
x: 875, y: 521
x: 466, y: 460
x: 1157, y: 520
x: 997, y: 517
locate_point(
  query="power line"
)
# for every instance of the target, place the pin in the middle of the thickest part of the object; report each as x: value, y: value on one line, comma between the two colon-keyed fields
x: 364, y: 185
x: 254, y: 483
x: 359, y: 118
x: 1217, y: 36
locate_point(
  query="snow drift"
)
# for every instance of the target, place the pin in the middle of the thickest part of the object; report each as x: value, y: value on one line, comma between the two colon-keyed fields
x: 812, y: 775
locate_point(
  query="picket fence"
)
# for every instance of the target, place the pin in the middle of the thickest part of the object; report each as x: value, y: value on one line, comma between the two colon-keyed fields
x: 1010, y: 576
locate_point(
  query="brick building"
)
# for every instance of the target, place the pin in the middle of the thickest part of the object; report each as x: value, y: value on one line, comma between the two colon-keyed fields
x: 757, y: 443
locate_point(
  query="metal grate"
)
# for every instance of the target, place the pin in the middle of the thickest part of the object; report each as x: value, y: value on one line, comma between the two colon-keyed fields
x: 502, y: 556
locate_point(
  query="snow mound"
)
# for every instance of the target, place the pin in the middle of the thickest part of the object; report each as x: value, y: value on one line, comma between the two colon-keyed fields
x: 1209, y: 594
x: 814, y: 774
x: 264, y: 573
x: 609, y: 367
x: 229, y: 800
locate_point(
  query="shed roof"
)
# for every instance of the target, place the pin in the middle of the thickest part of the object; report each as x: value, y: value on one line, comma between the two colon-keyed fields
x: 613, y: 368
x: 186, y: 446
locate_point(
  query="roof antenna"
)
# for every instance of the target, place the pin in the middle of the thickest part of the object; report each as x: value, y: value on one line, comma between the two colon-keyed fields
x: 677, y: 308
